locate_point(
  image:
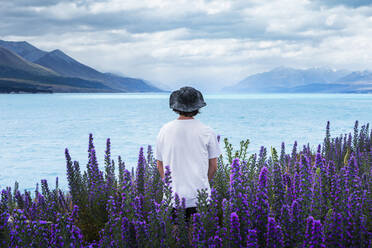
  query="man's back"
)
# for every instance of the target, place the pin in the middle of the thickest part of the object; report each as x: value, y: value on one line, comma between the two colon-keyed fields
x: 186, y: 146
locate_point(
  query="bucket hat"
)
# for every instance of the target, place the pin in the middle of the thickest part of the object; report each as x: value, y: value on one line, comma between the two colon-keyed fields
x: 186, y: 99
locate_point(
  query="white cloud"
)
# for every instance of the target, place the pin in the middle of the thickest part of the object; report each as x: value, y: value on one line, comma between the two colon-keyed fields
x: 60, y: 11
x: 213, y: 43
x: 160, y: 7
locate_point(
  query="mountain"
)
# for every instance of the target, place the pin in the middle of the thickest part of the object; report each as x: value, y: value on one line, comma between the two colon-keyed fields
x: 313, y: 80
x: 67, y: 66
x: 23, y: 49
x: 282, y: 78
x: 19, y: 75
x: 161, y: 86
x: 357, y: 77
x: 128, y: 84
x: 11, y: 60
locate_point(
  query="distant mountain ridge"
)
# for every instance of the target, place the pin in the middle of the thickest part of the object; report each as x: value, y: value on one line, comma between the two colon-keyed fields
x: 66, y: 66
x: 357, y: 77
x: 11, y: 60
x: 58, y: 63
x: 23, y: 49
x: 19, y: 75
x: 24, y: 67
x: 313, y: 80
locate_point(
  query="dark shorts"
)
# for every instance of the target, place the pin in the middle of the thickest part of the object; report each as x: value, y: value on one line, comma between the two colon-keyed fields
x: 189, y: 212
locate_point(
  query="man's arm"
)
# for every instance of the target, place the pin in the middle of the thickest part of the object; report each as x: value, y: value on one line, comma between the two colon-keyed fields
x: 160, y: 168
x: 212, y: 168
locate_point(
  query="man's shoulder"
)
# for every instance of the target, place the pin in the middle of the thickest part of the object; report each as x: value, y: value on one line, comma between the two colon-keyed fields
x: 205, y: 128
x: 196, y: 124
x: 167, y: 125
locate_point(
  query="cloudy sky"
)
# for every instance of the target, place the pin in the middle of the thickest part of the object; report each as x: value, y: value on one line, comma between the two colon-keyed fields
x: 209, y: 43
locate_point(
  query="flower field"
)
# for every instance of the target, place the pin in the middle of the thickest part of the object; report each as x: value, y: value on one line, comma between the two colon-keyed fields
x: 297, y: 198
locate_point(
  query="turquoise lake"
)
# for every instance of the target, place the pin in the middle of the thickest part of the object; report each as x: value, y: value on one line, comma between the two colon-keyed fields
x: 35, y: 129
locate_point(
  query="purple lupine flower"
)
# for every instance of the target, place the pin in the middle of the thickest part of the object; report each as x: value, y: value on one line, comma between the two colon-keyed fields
x: 70, y: 173
x: 294, y: 152
x: 94, y: 174
x: 149, y: 155
x: 334, y: 229
x: 140, y: 173
x: 92, y: 163
x: 317, y: 235
x: 252, y: 241
x: 314, y: 236
x: 90, y: 145
x: 157, y: 224
x: 167, y: 176
x: 297, y: 184
x: 282, y: 155
x: 263, y: 178
x: 225, y: 229
x: 262, y: 158
x: 213, y: 211
x: 235, y: 235
x: 318, y: 159
x: 109, y: 166
x: 297, y: 221
x: 261, y: 207
x: 235, y: 178
x: 121, y: 166
x: 274, y: 234
x: 246, y: 213
x: 285, y: 220
x: 332, y: 181
x: 181, y: 233
x: 198, y: 234
x: 355, y: 223
x: 215, y: 242
x: 344, y: 143
x: 236, y: 187
x: 308, y: 232
x: 306, y: 181
x: 108, y: 153
x: 168, y: 186
x: 341, y: 188
x: 289, y: 188
x: 317, y: 207
x: 278, y: 187
x: 142, y: 235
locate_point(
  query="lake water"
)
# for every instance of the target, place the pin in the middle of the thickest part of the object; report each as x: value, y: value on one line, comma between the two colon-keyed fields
x: 35, y: 129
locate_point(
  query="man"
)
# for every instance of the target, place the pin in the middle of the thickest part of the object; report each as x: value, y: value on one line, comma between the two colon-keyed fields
x: 189, y: 147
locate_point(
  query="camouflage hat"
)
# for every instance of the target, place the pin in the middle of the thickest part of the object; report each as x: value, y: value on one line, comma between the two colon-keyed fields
x: 186, y: 99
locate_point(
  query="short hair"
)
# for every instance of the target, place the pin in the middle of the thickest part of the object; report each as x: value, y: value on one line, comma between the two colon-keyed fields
x: 187, y: 114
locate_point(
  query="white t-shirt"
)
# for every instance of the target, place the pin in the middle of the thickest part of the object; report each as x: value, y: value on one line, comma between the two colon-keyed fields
x: 186, y: 146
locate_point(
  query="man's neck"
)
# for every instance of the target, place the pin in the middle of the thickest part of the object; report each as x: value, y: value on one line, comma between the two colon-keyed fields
x: 182, y: 117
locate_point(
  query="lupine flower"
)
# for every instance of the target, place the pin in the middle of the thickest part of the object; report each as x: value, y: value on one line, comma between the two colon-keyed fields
x: 262, y: 158
x: 317, y: 208
x: 235, y: 230
x: 252, y: 241
x: 285, y: 219
x: 274, y: 234
x: 140, y: 173
x: 278, y: 189
x: 334, y: 229
x: 235, y: 178
x: 261, y: 207
x: 198, y: 235
x: 260, y: 202
x: 314, y: 236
